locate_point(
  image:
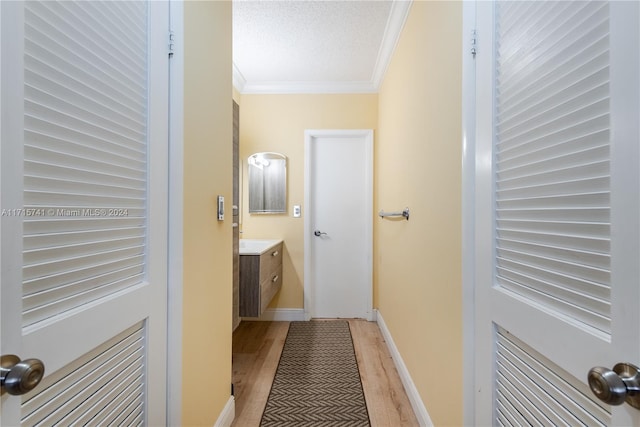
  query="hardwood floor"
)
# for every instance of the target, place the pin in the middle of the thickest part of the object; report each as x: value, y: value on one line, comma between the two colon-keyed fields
x: 256, y: 351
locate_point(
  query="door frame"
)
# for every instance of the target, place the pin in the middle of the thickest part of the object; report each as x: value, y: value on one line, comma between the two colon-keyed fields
x: 310, y: 137
x: 175, y: 230
x: 468, y: 208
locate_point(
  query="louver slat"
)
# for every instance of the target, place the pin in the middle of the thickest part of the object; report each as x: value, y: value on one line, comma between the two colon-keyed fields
x: 59, y: 27
x: 552, y: 159
x: 545, y: 394
x: 66, y: 153
x: 82, y: 273
x: 39, y: 307
x: 85, y: 156
x: 101, y: 386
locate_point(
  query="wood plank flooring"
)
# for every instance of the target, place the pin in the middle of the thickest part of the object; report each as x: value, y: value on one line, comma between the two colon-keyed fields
x: 256, y: 351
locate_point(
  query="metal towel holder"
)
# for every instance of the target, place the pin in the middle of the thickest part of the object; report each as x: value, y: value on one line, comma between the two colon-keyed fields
x: 404, y: 213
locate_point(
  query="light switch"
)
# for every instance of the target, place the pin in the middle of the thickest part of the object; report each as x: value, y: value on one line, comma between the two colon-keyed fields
x: 220, y: 208
x: 296, y: 211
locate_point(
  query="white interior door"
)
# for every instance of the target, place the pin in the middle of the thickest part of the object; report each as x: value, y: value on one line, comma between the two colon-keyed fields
x: 339, y: 201
x: 84, y: 209
x: 557, y: 205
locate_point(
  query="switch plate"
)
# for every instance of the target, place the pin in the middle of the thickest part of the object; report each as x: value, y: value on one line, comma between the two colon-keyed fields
x: 296, y: 211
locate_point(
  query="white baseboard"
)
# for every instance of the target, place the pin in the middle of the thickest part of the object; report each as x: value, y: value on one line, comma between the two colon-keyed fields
x: 228, y: 414
x: 280, y: 315
x: 410, y: 388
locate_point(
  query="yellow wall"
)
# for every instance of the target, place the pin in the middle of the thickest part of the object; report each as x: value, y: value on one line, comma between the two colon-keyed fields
x: 277, y: 123
x: 206, y: 369
x: 418, y: 164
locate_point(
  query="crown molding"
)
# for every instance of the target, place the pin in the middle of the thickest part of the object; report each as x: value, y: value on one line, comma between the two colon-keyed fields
x: 395, y: 24
x: 295, y: 87
x: 239, y: 82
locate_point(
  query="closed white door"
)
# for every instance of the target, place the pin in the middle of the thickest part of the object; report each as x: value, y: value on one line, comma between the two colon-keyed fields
x: 557, y: 204
x: 84, y: 209
x: 338, y: 224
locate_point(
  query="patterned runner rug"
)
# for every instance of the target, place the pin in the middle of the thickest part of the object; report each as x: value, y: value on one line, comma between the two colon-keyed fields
x: 317, y: 382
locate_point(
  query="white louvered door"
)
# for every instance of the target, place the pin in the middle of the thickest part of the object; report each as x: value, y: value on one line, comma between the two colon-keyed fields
x: 557, y: 208
x: 84, y: 209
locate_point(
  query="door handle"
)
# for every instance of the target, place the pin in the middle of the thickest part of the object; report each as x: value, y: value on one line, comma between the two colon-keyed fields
x: 319, y: 233
x: 19, y: 376
x: 622, y: 384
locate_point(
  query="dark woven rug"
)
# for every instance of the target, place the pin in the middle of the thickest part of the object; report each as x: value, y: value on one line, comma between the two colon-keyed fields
x: 317, y: 382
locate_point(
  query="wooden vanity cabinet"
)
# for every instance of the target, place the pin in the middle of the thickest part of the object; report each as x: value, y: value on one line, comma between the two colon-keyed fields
x: 260, y: 279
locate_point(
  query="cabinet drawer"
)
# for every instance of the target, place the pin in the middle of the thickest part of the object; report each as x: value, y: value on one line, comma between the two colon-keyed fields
x: 270, y: 261
x: 269, y: 287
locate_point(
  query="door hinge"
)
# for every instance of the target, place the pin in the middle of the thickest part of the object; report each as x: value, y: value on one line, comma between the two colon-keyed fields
x: 474, y: 42
x: 172, y: 43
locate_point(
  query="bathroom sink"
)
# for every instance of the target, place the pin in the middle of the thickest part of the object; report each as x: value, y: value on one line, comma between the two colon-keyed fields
x: 257, y: 246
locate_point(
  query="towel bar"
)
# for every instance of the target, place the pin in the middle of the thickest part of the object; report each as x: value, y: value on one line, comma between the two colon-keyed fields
x: 404, y: 213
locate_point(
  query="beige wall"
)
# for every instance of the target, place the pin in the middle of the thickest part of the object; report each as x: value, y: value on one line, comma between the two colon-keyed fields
x: 418, y: 164
x: 206, y: 357
x: 277, y: 123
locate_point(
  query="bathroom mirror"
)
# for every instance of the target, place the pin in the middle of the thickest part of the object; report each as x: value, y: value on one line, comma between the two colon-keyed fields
x: 267, y: 183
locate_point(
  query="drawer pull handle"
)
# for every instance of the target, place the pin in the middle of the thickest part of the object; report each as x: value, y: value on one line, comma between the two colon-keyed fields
x: 274, y: 253
x: 275, y: 278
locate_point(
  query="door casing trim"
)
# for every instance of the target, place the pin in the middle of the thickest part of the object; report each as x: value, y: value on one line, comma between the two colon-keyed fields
x: 175, y: 187
x: 468, y: 209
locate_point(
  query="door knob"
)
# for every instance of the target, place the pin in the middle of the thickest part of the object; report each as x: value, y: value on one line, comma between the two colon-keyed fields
x: 319, y: 233
x: 19, y: 376
x: 622, y: 384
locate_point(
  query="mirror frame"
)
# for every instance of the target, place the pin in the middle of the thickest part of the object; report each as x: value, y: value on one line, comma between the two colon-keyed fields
x: 276, y: 187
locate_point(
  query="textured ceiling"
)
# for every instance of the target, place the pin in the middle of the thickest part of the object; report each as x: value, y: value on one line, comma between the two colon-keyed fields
x: 307, y: 46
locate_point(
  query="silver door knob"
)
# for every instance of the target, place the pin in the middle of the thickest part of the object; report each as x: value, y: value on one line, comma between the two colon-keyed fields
x: 622, y: 384
x: 19, y: 376
x: 319, y: 233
